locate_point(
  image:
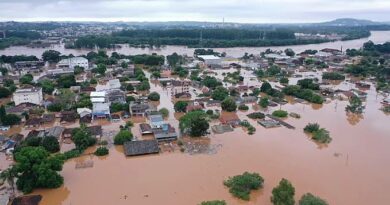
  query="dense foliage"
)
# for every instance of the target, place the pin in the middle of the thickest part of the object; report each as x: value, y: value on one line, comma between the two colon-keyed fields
x: 283, y: 194
x: 122, y: 137
x: 229, y: 104
x: 310, y: 199
x: 241, y: 185
x: 194, y: 123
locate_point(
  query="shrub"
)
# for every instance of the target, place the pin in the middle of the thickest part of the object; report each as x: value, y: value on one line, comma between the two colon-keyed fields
x: 180, y: 106
x: 280, y: 113
x: 256, y: 115
x: 72, y: 154
x: 215, y: 202
x: 101, y: 151
x: 122, y: 137
x: 55, y: 107
x: 241, y: 185
x: 322, y: 136
x: 154, y: 96
x: 310, y: 199
x: 264, y: 102
x: 311, y: 127
x: 210, y: 112
x: 50, y: 144
x: 243, y: 107
x: 333, y: 76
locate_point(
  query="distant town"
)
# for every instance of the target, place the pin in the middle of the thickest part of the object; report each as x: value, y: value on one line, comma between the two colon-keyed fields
x: 260, y: 127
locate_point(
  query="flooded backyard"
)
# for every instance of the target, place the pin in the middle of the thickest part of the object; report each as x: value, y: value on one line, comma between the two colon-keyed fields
x: 352, y: 169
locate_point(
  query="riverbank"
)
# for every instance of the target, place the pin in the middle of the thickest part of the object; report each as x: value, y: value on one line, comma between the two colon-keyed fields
x: 376, y: 37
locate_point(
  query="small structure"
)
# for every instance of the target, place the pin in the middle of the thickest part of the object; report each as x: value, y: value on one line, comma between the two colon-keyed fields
x: 269, y: 123
x: 165, y: 133
x: 135, y: 148
x: 145, y: 129
x: 68, y: 117
x: 156, y: 120
x: 230, y: 118
x: 220, y: 129
x: 115, y: 118
x: 71, y: 63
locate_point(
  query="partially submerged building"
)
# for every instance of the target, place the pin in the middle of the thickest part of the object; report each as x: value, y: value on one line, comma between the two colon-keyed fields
x: 135, y: 148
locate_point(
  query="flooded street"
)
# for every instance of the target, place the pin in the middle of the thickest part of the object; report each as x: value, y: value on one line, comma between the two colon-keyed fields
x: 376, y: 37
x: 352, y: 169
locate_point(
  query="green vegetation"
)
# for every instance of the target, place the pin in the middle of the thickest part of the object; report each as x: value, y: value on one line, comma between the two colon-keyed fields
x: 194, y: 123
x: 256, y: 115
x: 320, y: 135
x: 283, y: 81
x: 211, y: 82
x: 241, y: 185
x: 243, y: 107
x: 355, y: 105
x: 251, y: 129
x: 36, y: 168
x: 283, y: 194
x: 82, y: 138
x: 333, y: 76
x: 101, y: 151
x: 180, y: 106
x: 229, y: 104
x: 310, y: 199
x: 164, y: 112
x: 264, y: 102
x: 215, y: 202
x: 154, y: 96
x: 4, y: 92
x: 122, y: 137
x: 220, y: 93
x: 51, y: 56
x: 306, y: 94
x: 280, y: 113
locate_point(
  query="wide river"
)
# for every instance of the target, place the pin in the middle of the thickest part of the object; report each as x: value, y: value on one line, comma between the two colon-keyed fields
x: 376, y: 37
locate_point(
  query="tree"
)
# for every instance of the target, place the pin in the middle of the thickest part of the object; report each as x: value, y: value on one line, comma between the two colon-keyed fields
x: 241, y: 185
x: 194, y: 123
x: 37, y: 169
x: 78, y: 70
x: 26, y: 79
x: 51, y: 56
x: 289, y: 52
x: 229, y: 104
x: 174, y: 59
x: 117, y: 107
x: 82, y: 138
x: 50, y: 144
x: 54, y: 107
x: 283, y: 81
x: 10, y: 119
x: 310, y: 199
x: 220, y: 93
x: 164, y: 112
x: 156, y: 74
x: 180, y: 106
x: 122, y: 137
x: 66, y: 81
x: 264, y: 102
x: 47, y: 86
x: 283, y: 194
x: 101, y: 69
x: 4, y: 92
x: 211, y: 82
x: 265, y: 87
x: 154, y: 96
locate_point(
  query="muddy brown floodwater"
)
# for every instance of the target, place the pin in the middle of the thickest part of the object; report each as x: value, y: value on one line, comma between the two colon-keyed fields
x: 352, y: 170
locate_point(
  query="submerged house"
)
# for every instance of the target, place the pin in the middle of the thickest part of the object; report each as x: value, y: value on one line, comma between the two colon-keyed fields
x: 135, y: 148
x: 165, y: 133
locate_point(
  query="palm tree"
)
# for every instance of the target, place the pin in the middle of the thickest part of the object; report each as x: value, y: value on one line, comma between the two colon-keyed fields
x: 9, y: 175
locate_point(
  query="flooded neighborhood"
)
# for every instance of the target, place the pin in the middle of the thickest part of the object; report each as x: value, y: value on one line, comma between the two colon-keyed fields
x: 127, y: 123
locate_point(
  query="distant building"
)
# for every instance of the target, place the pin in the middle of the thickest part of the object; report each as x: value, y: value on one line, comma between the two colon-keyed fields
x: 71, y: 63
x: 180, y: 87
x: 28, y: 95
x: 211, y: 60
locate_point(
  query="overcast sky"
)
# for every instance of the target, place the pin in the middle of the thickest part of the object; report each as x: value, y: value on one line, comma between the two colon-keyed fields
x: 244, y: 11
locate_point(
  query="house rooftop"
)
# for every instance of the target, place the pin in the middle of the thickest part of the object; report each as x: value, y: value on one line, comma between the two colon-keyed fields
x: 134, y: 148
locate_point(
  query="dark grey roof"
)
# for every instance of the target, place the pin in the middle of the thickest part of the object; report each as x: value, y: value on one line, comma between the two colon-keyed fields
x: 133, y: 148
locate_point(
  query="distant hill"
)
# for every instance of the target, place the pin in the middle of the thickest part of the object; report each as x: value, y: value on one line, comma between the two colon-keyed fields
x: 350, y: 22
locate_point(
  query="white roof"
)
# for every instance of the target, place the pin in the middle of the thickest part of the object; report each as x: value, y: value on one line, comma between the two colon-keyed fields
x: 98, y: 94
x: 209, y: 57
x: 114, y: 84
x: 97, y: 100
x: 81, y: 110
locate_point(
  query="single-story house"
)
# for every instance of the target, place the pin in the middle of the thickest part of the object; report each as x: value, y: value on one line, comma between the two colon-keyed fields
x: 134, y: 148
